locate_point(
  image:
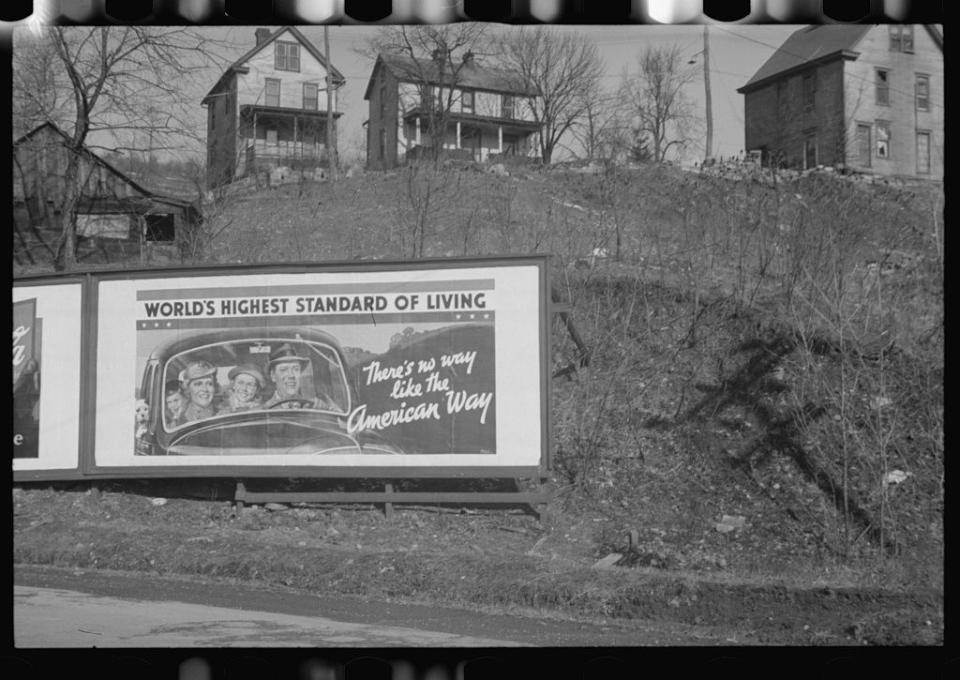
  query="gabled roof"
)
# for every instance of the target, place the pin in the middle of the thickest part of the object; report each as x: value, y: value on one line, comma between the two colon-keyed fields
x: 816, y: 44
x: 87, y: 153
x: 239, y: 66
x: 472, y: 75
x: 811, y: 43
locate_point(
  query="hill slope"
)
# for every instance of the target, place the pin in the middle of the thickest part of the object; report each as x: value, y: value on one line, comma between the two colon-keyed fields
x: 764, y: 392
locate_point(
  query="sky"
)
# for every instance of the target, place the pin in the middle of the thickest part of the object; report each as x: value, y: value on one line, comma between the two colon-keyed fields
x: 736, y: 52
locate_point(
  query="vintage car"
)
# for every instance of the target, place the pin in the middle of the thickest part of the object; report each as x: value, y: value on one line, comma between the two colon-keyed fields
x: 303, y: 425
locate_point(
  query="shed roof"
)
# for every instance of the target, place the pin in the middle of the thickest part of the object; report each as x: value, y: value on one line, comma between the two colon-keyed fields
x: 473, y: 75
x: 51, y: 129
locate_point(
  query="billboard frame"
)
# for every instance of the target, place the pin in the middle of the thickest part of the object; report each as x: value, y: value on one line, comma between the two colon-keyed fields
x: 86, y: 327
x: 89, y: 469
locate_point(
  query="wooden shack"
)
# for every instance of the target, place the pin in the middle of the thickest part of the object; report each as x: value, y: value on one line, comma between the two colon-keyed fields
x: 118, y: 219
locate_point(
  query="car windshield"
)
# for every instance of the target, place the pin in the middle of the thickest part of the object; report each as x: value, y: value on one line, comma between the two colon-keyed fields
x: 218, y: 380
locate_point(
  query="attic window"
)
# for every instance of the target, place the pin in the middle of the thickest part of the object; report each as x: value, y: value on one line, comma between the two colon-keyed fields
x: 901, y: 38
x: 286, y: 56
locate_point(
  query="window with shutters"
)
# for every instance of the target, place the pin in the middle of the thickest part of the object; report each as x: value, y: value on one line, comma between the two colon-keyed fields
x: 864, y: 148
x: 507, y: 107
x: 923, y: 92
x: 883, y: 139
x: 923, y: 153
x: 883, y: 86
x: 810, y: 152
x: 310, y: 96
x: 809, y: 89
x: 466, y: 101
x: 272, y: 97
x: 286, y: 56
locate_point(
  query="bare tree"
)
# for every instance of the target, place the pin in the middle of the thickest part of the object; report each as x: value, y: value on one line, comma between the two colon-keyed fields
x: 127, y: 81
x: 433, y: 60
x: 38, y: 87
x: 603, y: 134
x: 435, y: 57
x: 654, y: 99
x: 561, y: 70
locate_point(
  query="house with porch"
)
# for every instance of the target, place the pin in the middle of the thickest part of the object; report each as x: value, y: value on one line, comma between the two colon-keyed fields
x: 860, y: 97
x: 469, y: 110
x: 269, y: 109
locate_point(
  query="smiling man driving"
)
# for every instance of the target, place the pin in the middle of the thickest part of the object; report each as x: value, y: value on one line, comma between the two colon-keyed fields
x: 286, y: 368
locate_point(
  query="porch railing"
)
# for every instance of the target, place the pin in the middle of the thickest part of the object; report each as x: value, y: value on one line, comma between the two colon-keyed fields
x: 264, y: 149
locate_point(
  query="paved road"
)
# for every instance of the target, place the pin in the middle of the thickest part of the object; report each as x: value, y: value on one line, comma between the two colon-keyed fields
x: 48, y: 617
x: 70, y: 608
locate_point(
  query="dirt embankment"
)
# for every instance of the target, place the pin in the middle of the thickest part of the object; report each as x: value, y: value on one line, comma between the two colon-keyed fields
x: 762, y: 405
x: 493, y: 560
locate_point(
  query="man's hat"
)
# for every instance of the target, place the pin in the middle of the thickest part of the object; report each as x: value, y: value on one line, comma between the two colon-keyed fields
x: 196, y: 369
x: 285, y: 354
x: 250, y: 370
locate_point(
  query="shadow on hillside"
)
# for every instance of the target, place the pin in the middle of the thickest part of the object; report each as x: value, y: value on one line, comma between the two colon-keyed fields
x: 780, y: 428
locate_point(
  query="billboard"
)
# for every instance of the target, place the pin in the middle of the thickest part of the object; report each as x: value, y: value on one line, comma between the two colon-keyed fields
x: 47, y: 378
x: 433, y: 365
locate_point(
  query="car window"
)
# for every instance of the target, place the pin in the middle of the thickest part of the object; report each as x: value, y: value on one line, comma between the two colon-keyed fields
x: 220, y: 379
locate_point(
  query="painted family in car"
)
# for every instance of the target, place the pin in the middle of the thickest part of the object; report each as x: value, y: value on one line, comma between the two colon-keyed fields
x: 277, y: 391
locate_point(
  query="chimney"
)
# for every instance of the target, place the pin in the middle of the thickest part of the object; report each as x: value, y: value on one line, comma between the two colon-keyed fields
x: 468, y: 58
x: 439, y: 54
x: 262, y: 34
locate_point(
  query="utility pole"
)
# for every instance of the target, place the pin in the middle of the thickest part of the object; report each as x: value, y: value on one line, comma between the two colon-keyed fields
x: 708, y: 153
x: 331, y: 129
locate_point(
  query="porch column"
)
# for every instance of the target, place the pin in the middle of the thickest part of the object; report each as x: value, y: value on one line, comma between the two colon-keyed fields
x: 416, y: 137
x: 458, y: 134
x: 499, y: 139
x: 295, y: 117
x: 253, y: 143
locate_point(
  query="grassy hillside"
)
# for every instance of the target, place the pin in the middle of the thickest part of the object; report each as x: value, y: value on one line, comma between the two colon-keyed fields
x: 764, y: 388
x: 762, y: 346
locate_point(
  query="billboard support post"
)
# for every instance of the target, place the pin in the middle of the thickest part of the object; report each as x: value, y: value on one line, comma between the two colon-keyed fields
x: 536, y: 500
x: 388, y: 506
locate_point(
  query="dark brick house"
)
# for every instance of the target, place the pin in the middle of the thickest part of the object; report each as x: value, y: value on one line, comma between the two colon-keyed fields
x: 867, y: 98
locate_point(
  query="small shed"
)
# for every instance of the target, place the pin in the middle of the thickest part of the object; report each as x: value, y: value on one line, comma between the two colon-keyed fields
x: 118, y: 219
